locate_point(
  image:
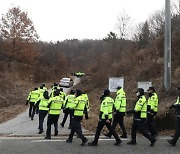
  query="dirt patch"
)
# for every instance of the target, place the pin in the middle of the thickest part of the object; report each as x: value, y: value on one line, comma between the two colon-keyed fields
x: 10, y: 112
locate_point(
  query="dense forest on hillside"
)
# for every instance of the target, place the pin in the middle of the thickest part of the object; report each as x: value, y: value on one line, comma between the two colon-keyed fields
x: 26, y: 62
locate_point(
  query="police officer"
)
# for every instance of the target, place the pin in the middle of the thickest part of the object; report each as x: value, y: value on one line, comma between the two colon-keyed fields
x: 44, y: 86
x: 41, y: 92
x: 32, y: 99
x: 69, y: 103
x: 120, y: 109
x: 43, y: 110
x: 55, y: 106
x: 140, y: 114
x: 105, y: 118
x: 80, y: 107
x: 52, y: 91
x: 152, y: 108
x: 62, y: 93
x: 84, y: 94
x: 54, y: 85
x: 176, y: 106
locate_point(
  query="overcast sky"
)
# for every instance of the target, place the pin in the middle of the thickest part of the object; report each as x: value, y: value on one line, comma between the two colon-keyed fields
x: 82, y: 19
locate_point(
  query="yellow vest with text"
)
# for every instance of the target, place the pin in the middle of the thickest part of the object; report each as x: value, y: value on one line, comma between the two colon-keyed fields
x: 87, y: 99
x: 43, y: 104
x: 153, y: 102
x: 107, y: 107
x: 69, y: 101
x: 34, y: 96
x: 120, y: 101
x: 56, y: 105
x: 141, y: 106
x: 80, y: 105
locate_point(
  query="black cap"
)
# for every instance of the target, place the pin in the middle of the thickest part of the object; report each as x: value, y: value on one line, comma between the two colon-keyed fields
x: 151, y: 88
x: 119, y: 87
x: 78, y: 92
x: 141, y: 90
x: 106, y: 92
x: 72, y: 91
x: 178, y: 88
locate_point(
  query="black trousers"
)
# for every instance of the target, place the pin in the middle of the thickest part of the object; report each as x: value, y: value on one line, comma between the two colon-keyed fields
x: 140, y: 125
x: 118, y: 119
x: 100, y: 126
x: 31, y: 109
x: 42, y: 115
x: 34, y: 110
x: 177, y: 132
x: 52, y: 119
x: 150, y: 125
x: 76, y: 128
x: 66, y: 113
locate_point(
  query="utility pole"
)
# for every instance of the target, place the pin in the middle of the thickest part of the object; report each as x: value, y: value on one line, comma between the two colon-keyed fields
x: 167, y: 47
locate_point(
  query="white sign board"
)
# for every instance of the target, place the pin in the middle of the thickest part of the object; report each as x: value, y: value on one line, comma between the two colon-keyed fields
x: 144, y: 85
x: 115, y: 82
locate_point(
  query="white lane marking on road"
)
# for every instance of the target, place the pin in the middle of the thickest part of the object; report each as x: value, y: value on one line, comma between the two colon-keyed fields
x: 105, y: 139
x: 164, y: 138
x: 39, y: 141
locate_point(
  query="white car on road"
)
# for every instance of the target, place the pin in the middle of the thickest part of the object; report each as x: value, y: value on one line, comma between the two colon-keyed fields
x: 66, y: 82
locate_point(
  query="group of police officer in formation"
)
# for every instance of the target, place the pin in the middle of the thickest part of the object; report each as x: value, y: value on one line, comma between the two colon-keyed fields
x: 112, y: 112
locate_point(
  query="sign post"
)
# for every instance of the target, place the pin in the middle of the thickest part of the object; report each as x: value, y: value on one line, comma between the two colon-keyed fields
x: 144, y: 85
x: 115, y: 82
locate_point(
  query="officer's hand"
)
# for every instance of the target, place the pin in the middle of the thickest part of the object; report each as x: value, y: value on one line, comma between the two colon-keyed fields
x: 87, y: 117
x: 27, y: 102
x: 171, y: 107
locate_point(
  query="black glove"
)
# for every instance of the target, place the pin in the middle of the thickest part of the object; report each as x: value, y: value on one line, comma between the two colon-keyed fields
x: 27, y: 102
x: 171, y: 107
x: 86, y: 116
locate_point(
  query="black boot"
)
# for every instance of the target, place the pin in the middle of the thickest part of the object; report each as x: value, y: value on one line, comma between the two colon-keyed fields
x: 124, y: 135
x: 56, y: 133
x: 40, y: 131
x: 69, y: 140
x: 47, y: 137
x: 84, y: 142
x: 153, y: 142
x: 118, y: 142
x: 107, y: 135
x: 172, y: 142
x: 92, y: 143
x: 132, y: 142
x: 62, y: 125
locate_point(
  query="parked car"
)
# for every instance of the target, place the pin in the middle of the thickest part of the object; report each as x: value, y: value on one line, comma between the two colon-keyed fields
x: 66, y: 82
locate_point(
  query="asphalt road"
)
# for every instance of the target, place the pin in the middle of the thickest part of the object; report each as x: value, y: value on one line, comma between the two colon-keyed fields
x: 58, y: 145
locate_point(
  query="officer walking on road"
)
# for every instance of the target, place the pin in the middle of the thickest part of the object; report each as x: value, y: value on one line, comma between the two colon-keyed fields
x: 105, y: 117
x: 55, y: 106
x: 80, y: 108
x: 140, y: 114
x: 69, y: 103
x: 152, y: 108
x: 120, y: 109
x: 43, y: 110
x: 32, y: 99
x: 176, y: 106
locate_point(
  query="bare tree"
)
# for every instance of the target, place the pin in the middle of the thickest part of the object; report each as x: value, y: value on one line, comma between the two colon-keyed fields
x: 18, y: 35
x: 123, y: 24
